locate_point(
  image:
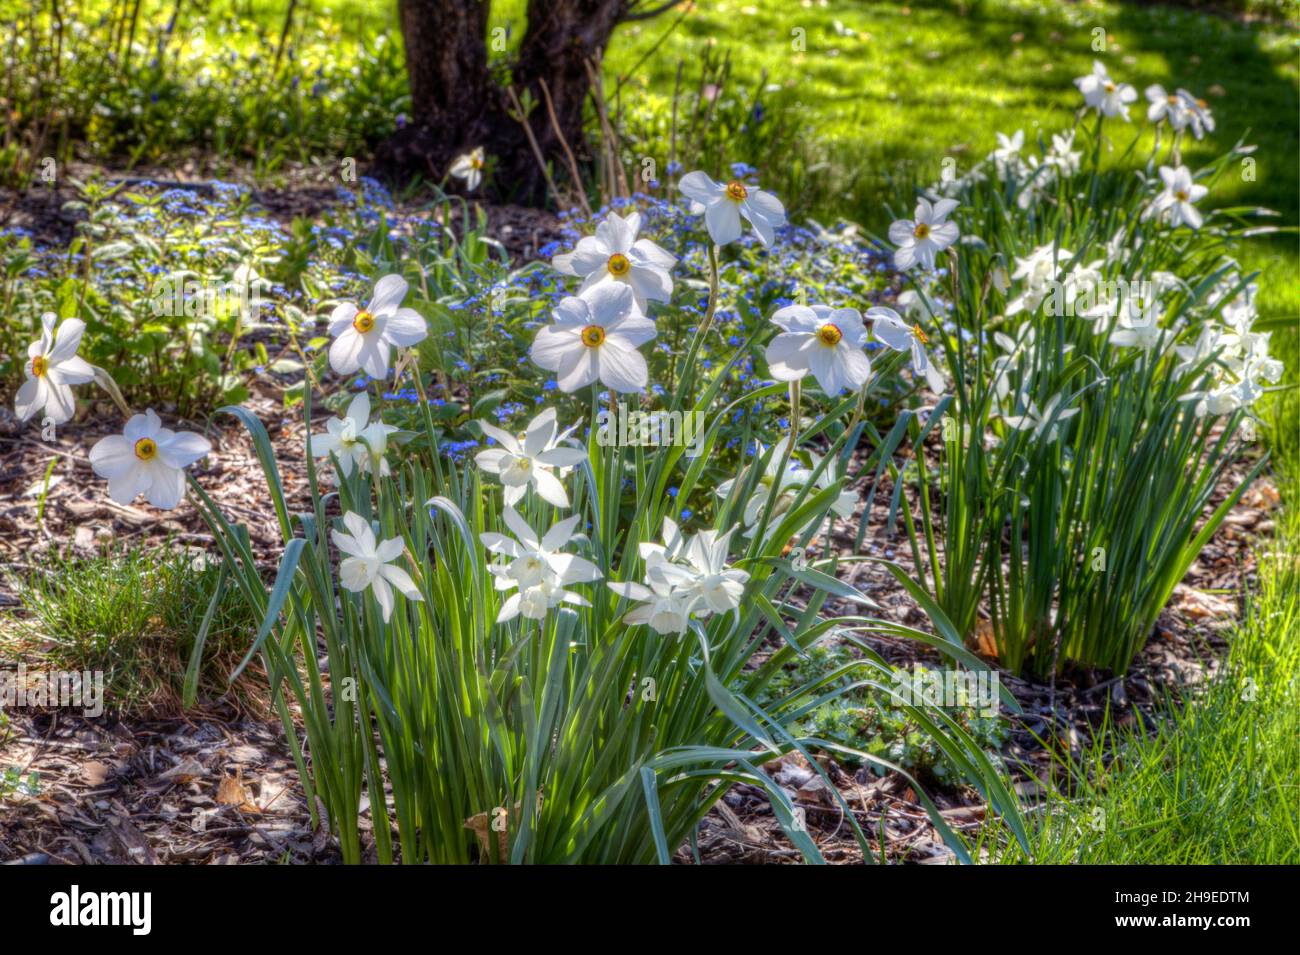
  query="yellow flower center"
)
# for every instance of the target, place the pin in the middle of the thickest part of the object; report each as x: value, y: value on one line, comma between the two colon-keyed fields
x: 1110, y: 87
x: 736, y: 190
x: 39, y: 365
x: 363, y: 321
x: 830, y: 335
x: 1181, y: 195
x: 921, y: 231
x: 1202, y: 104
x: 920, y: 335
x: 146, y: 449
x: 593, y: 336
x: 619, y: 265
x: 476, y: 162
x: 1173, y: 100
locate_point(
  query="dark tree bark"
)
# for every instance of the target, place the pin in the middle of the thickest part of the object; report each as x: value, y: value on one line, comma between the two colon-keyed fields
x: 457, y: 104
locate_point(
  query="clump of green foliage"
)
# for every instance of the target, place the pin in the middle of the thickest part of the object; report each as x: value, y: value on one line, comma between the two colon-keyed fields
x: 870, y: 720
x: 134, y: 614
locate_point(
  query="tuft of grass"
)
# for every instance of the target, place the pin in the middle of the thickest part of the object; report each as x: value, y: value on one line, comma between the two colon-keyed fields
x: 1218, y: 782
x: 134, y: 614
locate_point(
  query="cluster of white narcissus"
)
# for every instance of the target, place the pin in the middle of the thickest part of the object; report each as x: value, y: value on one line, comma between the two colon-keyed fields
x: 1182, y: 111
x: 682, y: 578
x: 596, y: 336
x: 1243, y: 366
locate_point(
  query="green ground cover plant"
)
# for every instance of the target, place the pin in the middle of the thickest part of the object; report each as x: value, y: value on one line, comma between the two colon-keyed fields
x: 133, y: 616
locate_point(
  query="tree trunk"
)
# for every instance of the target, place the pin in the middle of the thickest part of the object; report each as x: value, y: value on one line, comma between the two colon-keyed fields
x: 456, y: 106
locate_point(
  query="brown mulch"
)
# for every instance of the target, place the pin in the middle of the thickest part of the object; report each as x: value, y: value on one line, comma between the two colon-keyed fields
x: 297, y: 192
x: 219, y: 788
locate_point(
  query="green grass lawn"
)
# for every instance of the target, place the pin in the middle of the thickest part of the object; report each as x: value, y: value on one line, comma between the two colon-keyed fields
x: 885, y: 91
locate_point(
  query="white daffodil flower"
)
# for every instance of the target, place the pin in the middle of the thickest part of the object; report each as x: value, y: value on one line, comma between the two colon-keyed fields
x: 683, y: 578
x: 789, y: 480
x: 147, y: 459
x: 924, y: 236
x: 369, y: 563
x: 666, y: 609
x: 1209, y: 342
x: 716, y: 587
x: 1038, y: 272
x: 1103, y: 94
x: 52, y: 365
x: 1174, y: 204
x: 595, y: 337
x: 364, y: 337
x: 673, y: 548
x: 828, y: 342
x: 1063, y: 155
x: 354, y: 439
x: 1199, y: 117
x: 1043, y: 423
x: 536, y: 567
x: 531, y: 458
x: 724, y: 205
x: 1138, y: 326
x: 1007, y: 156
x: 1250, y: 372
x: 615, y: 254
x: 469, y: 167
x: 888, y: 326
x: 1167, y: 107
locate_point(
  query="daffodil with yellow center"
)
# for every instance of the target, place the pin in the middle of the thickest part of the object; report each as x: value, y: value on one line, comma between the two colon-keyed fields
x: 821, y: 341
x: 52, y: 366
x: 725, y: 204
x: 595, y: 337
x: 147, y: 459
x: 922, y: 237
x: 619, y: 265
x: 536, y: 458
x: 363, y: 321
x: 889, y: 328
x: 364, y: 338
x: 614, y: 255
